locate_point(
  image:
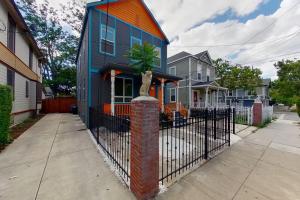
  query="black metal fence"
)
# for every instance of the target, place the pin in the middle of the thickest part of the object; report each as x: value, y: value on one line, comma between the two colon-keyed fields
x: 113, y: 136
x: 186, y: 142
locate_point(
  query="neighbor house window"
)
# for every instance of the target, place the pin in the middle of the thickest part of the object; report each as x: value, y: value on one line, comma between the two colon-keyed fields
x: 173, y: 95
x: 27, y: 89
x: 108, y: 40
x: 30, y: 58
x: 208, y: 74
x: 199, y: 72
x: 135, y: 41
x: 11, y: 34
x: 11, y: 81
x: 172, y: 71
x: 157, y: 61
x: 123, y: 90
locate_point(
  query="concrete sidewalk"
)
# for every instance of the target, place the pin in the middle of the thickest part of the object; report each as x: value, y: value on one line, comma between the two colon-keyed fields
x: 56, y: 159
x: 264, y: 165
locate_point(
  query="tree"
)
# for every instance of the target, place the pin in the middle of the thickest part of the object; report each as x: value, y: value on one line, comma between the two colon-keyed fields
x: 143, y: 57
x: 236, y: 76
x: 58, y: 44
x: 286, y: 89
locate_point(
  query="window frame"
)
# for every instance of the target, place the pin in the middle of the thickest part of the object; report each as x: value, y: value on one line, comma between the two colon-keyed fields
x: 11, y: 81
x: 30, y: 64
x: 159, y: 57
x: 124, y: 97
x: 173, y: 68
x: 11, y: 34
x: 175, y: 94
x: 135, y: 38
x: 103, y: 26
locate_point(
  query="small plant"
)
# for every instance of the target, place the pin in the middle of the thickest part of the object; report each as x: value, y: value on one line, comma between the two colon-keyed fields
x: 143, y: 58
x: 5, y: 110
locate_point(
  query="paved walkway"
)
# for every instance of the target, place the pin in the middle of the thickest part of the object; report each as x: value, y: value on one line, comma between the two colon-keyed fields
x: 56, y: 159
x: 264, y: 165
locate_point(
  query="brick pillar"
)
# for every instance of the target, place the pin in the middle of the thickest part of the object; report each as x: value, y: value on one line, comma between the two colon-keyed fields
x: 257, y: 113
x: 144, y: 158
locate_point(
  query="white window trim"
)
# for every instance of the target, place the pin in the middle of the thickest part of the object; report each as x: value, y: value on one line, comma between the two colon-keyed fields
x: 170, y: 95
x: 135, y: 38
x: 106, y: 39
x: 159, y: 66
x: 124, y: 97
x: 173, y: 67
x: 199, y: 71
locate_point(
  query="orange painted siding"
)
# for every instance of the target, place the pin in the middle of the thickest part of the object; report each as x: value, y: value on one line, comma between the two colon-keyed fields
x: 134, y: 12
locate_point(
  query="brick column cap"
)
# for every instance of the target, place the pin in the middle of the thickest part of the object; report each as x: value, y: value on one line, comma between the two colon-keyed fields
x: 144, y: 98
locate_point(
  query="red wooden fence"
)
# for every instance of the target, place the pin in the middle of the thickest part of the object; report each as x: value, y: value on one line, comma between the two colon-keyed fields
x: 58, y: 105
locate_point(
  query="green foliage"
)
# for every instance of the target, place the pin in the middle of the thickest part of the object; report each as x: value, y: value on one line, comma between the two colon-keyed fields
x: 298, y: 107
x: 5, y: 110
x: 57, y: 33
x: 286, y: 89
x: 143, y: 57
x: 237, y: 77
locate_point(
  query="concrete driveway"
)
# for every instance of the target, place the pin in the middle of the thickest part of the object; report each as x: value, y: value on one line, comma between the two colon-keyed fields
x: 264, y: 165
x: 56, y: 159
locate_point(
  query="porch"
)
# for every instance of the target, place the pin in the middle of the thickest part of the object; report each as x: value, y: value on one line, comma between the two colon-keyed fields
x: 209, y: 94
x: 124, y: 84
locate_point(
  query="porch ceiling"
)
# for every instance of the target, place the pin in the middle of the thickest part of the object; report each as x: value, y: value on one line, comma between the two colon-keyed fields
x: 129, y: 70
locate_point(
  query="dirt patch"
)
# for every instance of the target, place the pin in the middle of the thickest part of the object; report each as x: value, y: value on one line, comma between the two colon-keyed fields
x: 19, y: 129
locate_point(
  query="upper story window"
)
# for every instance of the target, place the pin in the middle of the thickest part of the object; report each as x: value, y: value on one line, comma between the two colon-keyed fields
x: 199, y: 72
x: 173, y: 95
x: 157, y: 61
x: 208, y: 74
x: 172, y: 71
x: 11, y: 34
x: 30, y: 58
x: 135, y: 41
x: 108, y: 40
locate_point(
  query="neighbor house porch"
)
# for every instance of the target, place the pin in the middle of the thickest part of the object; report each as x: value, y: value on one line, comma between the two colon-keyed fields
x: 208, y: 94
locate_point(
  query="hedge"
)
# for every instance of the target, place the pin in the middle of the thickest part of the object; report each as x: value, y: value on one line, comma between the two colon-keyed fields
x: 5, y: 111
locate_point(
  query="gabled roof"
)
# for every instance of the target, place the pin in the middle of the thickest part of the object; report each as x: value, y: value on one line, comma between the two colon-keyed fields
x: 205, y: 57
x: 178, y: 56
x: 93, y: 4
x: 18, y: 18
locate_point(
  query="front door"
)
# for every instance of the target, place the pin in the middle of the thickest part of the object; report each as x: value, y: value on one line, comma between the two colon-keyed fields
x: 196, y: 98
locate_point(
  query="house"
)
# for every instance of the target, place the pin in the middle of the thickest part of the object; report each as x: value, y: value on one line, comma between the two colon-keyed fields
x: 105, y: 79
x: 243, y: 97
x: 199, y: 88
x: 20, y: 62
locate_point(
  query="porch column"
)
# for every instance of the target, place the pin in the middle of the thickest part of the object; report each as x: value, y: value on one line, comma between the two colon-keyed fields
x: 218, y: 98
x: 177, y: 96
x: 162, y: 95
x: 113, y: 78
x: 206, y: 97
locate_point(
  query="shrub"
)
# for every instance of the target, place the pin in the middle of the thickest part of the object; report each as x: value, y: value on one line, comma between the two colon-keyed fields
x: 5, y: 111
x: 298, y: 106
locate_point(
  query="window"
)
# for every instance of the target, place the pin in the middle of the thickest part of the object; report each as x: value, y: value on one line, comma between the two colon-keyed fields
x: 11, y: 81
x: 199, y: 72
x: 27, y: 89
x: 11, y: 34
x: 172, y: 71
x: 108, y: 40
x: 123, y: 90
x: 135, y: 41
x: 172, y: 94
x: 30, y: 58
x: 157, y: 61
x: 208, y: 74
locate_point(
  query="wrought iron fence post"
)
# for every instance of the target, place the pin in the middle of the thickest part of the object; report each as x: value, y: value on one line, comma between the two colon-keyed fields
x: 215, y: 123
x: 233, y: 120
x: 206, y: 135
x: 97, y: 125
x: 229, y: 115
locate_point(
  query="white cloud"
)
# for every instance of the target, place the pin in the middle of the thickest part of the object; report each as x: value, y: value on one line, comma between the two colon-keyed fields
x: 178, y: 16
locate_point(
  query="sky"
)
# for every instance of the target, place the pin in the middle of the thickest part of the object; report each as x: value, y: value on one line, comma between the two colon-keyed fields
x: 247, y: 32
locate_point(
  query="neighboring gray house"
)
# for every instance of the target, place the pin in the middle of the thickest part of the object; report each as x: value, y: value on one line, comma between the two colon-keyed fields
x: 198, y: 87
x: 244, y: 98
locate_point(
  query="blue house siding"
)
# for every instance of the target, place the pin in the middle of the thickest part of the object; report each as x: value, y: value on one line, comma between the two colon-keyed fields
x: 124, y: 31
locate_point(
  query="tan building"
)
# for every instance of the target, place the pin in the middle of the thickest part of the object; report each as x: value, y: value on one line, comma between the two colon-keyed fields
x: 20, y: 65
